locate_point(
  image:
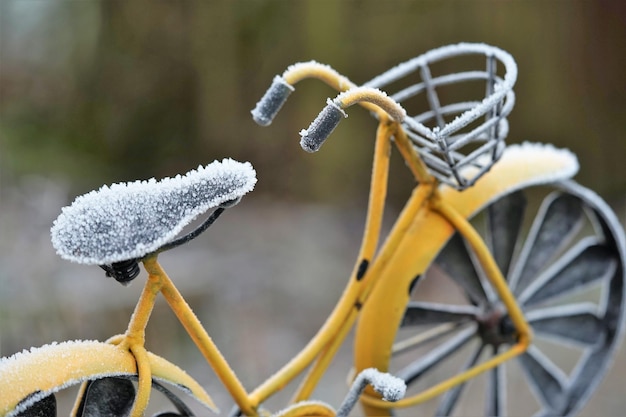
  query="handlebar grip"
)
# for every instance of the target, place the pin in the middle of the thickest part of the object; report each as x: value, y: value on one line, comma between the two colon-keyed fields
x: 323, y: 125
x: 271, y: 102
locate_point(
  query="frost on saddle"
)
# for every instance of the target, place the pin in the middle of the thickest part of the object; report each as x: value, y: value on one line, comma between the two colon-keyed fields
x: 127, y: 221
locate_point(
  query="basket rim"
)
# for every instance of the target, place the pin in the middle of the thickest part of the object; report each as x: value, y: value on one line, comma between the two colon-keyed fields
x: 503, y: 89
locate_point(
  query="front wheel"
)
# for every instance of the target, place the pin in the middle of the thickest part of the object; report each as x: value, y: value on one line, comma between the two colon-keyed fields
x: 561, y: 250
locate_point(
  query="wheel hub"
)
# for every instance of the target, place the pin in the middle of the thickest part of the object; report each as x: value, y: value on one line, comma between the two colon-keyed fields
x: 495, y: 327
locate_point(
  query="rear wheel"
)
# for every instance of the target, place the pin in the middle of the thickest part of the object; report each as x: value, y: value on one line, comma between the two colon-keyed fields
x: 561, y: 250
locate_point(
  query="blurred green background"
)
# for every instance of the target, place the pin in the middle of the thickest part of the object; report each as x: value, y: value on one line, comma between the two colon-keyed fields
x: 102, y: 91
x: 94, y: 92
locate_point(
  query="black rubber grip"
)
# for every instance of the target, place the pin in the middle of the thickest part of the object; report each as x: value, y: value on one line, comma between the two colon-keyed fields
x: 271, y: 102
x: 323, y: 125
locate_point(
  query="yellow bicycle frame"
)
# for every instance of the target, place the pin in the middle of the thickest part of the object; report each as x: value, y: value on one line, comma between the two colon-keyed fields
x: 429, y: 219
x: 379, y: 279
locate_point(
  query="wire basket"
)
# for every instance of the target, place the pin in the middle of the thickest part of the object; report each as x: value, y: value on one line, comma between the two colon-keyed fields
x: 459, y: 139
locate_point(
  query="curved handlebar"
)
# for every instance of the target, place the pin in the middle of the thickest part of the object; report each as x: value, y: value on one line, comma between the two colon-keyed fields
x: 283, y: 85
x: 327, y: 120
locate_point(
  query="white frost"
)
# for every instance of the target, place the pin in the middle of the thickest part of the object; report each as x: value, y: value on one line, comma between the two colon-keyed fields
x: 387, y: 385
x: 13, y: 368
x: 34, y: 374
x: 289, y: 410
x: 391, y: 388
x: 129, y: 220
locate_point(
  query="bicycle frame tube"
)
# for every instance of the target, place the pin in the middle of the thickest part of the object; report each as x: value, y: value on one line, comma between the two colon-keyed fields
x: 378, y: 280
x: 201, y: 338
x: 414, y: 241
x: 328, y: 339
x: 324, y: 345
x: 377, y: 196
x: 402, y: 251
x: 331, y: 335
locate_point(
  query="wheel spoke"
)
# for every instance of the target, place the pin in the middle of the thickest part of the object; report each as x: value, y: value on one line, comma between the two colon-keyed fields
x: 424, y: 337
x: 558, y: 220
x: 505, y: 218
x: 451, y: 397
x: 546, y: 380
x: 577, y: 323
x: 436, y: 356
x: 456, y: 261
x: 582, y: 265
x: 422, y: 313
x: 496, y: 394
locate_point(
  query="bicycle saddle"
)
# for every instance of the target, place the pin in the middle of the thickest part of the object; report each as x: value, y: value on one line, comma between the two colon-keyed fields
x: 130, y: 220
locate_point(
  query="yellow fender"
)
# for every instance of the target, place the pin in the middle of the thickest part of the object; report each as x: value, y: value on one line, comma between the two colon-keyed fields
x: 520, y: 166
x: 307, y: 409
x: 29, y: 376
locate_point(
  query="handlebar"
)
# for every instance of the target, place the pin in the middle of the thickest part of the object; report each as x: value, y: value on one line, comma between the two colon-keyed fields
x: 327, y: 120
x: 311, y: 139
x: 283, y: 85
x: 271, y: 102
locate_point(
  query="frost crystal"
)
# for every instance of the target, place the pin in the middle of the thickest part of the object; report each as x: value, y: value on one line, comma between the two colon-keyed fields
x: 388, y: 386
x: 129, y: 220
x: 323, y: 125
x: 272, y: 101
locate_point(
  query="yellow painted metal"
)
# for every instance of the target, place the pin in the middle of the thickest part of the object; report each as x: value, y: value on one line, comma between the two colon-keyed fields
x: 325, y: 73
x: 320, y: 341
x: 514, y: 311
x: 421, y: 241
x: 134, y: 340
x: 307, y: 409
x: 342, y: 318
x: 412, y: 159
x: 376, y: 205
x: 358, y: 95
x: 201, y: 338
x: 377, y: 404
x: 304, y: 70
x: 136, y: 332
x: 492, y: 272
x: 324, y: 360
x: 427, y: 221
x: 385, y: 254
x: 144, y: 385
x: 378, y: 194
x: 373, y: 223
x: 54, y: 367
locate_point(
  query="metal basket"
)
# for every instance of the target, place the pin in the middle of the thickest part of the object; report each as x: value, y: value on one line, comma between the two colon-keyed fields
x: 466, y: 137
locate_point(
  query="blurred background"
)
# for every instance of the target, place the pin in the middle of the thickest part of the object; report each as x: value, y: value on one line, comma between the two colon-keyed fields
x: 95, y: 92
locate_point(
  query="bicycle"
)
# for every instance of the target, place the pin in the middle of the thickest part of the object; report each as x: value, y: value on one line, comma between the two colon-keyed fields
x: 468, y: 185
